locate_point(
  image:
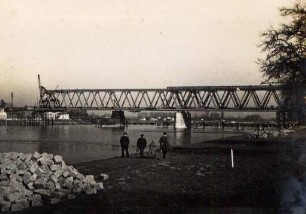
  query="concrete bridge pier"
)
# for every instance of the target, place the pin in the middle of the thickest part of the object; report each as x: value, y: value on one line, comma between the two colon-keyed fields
x: 281, y: 119
x: 182, y: 120
x: 118, y: 114
x: 179, y: 121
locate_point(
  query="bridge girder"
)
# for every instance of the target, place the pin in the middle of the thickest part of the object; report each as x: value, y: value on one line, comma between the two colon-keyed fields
x: 197, y: 98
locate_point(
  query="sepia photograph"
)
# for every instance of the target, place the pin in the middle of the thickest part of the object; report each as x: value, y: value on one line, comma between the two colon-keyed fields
x: 153, y: 106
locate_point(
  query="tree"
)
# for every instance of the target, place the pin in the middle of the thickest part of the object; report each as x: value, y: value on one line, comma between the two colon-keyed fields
x: 285, y: 60
x: 3, y: 104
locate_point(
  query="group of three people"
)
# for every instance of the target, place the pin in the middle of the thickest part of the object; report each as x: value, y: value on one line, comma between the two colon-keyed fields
x: 142, y: 144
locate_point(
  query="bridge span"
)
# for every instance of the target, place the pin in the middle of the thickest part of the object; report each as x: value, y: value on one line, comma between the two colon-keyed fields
x: 183, y: 98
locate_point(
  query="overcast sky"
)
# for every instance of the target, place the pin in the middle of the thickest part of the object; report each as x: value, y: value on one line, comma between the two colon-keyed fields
x: 130, y: 43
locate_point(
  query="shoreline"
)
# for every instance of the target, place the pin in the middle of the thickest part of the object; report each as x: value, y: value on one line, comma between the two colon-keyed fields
x: 191, y: 180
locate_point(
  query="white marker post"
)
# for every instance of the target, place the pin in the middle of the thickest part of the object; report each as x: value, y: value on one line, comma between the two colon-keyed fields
x: 232, y: 157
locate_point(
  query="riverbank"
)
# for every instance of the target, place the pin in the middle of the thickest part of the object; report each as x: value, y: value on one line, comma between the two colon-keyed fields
x: 193, y: 180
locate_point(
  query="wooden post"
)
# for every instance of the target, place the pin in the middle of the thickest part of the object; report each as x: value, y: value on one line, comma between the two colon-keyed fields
x: 232, y: 157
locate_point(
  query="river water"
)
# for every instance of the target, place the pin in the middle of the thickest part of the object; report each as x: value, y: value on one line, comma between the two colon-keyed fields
x: 79, y: 143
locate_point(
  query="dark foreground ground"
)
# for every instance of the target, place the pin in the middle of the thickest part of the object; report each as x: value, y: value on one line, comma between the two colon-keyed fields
x: 198, y: 179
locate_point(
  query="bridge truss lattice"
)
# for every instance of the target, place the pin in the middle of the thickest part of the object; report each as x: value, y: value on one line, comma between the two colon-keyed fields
x: 197, y: 98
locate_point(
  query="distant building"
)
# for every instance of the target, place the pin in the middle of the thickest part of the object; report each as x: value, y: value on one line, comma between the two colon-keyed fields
x: 63, y: 116
x: 3, y: 114
x: 56, y: 116
x: 50, y: 115
x: 37, y: 117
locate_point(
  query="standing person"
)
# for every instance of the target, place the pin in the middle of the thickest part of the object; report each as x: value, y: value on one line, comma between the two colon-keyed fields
x: 164, y: 144
x: 124, y: 142
x: 141, y: 144
x: 152, y: 148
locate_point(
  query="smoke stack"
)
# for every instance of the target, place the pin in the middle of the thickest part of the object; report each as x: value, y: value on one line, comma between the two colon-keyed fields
x: 12, y: 99
x: 39, y: 86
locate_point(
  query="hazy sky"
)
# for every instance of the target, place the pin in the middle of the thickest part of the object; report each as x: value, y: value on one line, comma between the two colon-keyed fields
x: 130, y: 43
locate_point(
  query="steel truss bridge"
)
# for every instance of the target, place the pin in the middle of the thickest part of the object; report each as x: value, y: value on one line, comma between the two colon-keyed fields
x: 189, y: 98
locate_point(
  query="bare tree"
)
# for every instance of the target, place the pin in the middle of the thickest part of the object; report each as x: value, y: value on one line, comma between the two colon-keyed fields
x: 285, y: 59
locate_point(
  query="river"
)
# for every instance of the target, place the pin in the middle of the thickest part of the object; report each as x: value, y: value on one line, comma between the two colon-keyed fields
x: 80, y: 143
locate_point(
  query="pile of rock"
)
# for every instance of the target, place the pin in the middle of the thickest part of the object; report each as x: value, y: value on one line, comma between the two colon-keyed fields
x: 37, y: 179
x: 263, y: 134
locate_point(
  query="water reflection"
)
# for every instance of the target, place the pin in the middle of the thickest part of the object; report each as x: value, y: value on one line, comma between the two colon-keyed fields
x: 79, y: 143
x: 182, y: 137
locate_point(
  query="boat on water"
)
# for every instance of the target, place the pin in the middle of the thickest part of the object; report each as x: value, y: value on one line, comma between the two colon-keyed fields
x: 108, y: 125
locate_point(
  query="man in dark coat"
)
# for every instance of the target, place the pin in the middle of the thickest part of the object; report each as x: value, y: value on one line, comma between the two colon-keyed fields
x: 141, y: 144
x: 164, y: 144
x: 124, y: 142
